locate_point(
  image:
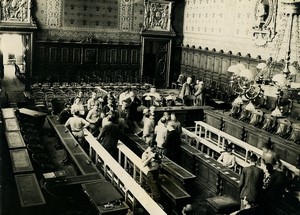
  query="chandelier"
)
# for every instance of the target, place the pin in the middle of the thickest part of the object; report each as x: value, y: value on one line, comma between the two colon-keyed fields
x: 243, y: 81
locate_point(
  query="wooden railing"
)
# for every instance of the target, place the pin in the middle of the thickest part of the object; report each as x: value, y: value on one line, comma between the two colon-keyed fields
x: 211, y: 141
x: 132, y: 191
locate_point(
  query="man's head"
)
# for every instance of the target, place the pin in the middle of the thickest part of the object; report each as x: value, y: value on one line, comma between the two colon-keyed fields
x: 253, y: 158
x: 189, y: 80
x: 173, y: 116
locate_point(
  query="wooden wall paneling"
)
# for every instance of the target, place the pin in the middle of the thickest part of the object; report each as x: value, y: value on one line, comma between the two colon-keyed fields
x: 196, y: 60
x: 53, y: 55
x: 90, y: 56
x: 124, y: 56
x: 232, y: 128
x: 113, y: 56
x: 210, y: 63
x: 234, y: 61
x: 190, y: 59
x: 103, y: 55
x: 225, y: 64
x: 134, y: 57
x: 203, y: 60
x: 184, y: 58
x: 212, y: 119
x: 218, y: 64
x: 229, y: 187
x: 76, y: 54
x: 40, y: 57
x: 65, y: 55
x: 255, y: 138
x: 282, y: 152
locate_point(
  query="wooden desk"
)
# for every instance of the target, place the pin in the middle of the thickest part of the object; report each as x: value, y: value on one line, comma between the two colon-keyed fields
x: 208, y: 171
x: 229, y: 181
x: 78, y: 155
x: 8, y: 113
x: 105, y: 198
x: 11, y: 124
x: 37, y: 116
x: 20, y: 161
x: 14, y: 139
x: 29, y: 190
x: 32, y: 113
x: 177, y: 173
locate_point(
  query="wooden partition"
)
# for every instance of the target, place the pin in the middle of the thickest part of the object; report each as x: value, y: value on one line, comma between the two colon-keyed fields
x: 287, y: 149
x: 73, y: 61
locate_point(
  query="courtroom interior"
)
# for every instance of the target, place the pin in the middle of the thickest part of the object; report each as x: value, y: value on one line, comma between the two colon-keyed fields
x: 153, y: 107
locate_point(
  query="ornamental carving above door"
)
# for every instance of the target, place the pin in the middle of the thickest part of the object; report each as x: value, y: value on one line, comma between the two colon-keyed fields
x: 265, y: 12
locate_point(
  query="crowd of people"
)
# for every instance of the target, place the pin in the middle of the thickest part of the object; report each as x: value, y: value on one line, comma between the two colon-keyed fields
x: 193, y: 93
x: 109, y: 117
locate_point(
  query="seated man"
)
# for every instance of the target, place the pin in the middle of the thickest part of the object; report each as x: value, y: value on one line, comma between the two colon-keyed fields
x: 227, y: 158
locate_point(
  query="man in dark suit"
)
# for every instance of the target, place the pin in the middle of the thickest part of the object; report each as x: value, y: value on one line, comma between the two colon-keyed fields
x: 109, y: 137
x: 133, y: 103
x: 251, y: 181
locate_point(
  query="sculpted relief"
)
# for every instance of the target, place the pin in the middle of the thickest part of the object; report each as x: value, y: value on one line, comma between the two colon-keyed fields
x: 157, y: 16
x: 264, y: 21
x: 14, y: 10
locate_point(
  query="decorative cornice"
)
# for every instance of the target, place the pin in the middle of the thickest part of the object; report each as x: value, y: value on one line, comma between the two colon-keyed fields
x: 158, y: 33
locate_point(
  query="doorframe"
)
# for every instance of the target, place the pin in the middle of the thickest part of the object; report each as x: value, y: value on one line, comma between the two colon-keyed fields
x: 28, y: 55
x: 169, y: 53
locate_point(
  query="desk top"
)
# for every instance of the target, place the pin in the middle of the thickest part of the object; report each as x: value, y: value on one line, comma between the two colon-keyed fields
x: 8, y: 113
x: 101, y: 193
x: 176, y: 170
x: 12, y: 124
x: 14, y: 139
x: 29, y: 190
x: 77, y: 154
x: 20, y: 161
x: 30, y: 112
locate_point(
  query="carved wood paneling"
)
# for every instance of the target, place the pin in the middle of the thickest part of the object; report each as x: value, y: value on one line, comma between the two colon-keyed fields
x: 80, y: 59
x: 76, y: 55
x: 53, y: 54
x: 124, y: 56
x: 65, y: 55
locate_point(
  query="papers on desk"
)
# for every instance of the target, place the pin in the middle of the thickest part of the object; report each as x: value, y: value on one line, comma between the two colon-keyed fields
x: 226, y: 173
x: 207, y: 156
x: 233, y: 178
x: 49, y: 175
x: 218, y: 167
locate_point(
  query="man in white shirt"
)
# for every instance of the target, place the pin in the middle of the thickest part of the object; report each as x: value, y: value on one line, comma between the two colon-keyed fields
x: 160, y: 131
x: 227, y: 158
x: 76, y: 124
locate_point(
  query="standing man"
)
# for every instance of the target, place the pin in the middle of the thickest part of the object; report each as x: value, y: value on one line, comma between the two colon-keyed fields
x: 76, y: 124
x: 172, y: 143
x: 152, y: 160
x: 251, y: 181
x: 199, y: 93
x: 186, y: 92
x: 109, y: 136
